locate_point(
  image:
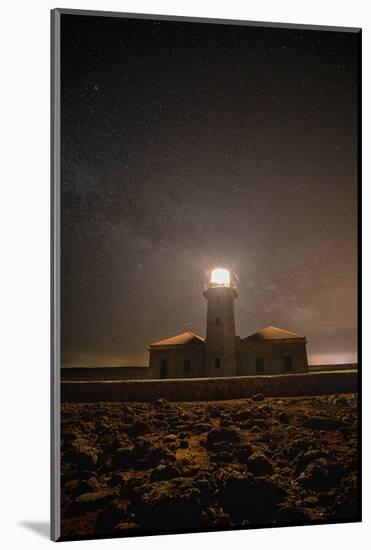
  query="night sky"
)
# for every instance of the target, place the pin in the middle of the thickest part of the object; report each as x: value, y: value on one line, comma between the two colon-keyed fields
x: 190, y: 145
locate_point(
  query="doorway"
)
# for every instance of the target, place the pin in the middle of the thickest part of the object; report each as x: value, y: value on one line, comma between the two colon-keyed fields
x: 163, y: 369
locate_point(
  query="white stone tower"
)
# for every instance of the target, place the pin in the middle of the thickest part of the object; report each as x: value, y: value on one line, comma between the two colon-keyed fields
x: 220, y: 351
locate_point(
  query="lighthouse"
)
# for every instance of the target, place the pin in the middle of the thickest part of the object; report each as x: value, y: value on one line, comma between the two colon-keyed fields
x: 270, y: 350
x: 220, y: 344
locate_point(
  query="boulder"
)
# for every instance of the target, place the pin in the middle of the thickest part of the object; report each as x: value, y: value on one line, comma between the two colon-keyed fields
x: 170, y: 505
x: 200, y: 427
x: 164, y: 472
x: 322, y: 423
x: 162, y: 403
x: 255, y: 429
x: 304, y: 459
x: 239, y: 416
x: 259, y: 465
x: 221, y: 437
x: 96, y: 496
x: 90, y: 501
x: 137, y: 428
x: 172, y: 438
x: 283, y: 418
x: 321, y: 476
x: 243, y: 452
x: 258, y: 397
x: 82, y: 454
x: 152, y: 457
x: 291, y: 514
x: 123, y: 456
x: 108, y: 518
x: 86, y: 486
x: 347, y: 505
x: 247, y: 498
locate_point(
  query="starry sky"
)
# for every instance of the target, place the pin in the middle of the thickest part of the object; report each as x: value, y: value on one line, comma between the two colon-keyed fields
x: 191, y: 145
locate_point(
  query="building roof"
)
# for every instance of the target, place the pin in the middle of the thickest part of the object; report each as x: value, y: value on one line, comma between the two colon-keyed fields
x: 179, y: 340
x: 274, y: 333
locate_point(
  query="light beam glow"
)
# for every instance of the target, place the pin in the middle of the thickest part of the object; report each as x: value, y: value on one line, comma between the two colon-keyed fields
x: 220, y: 276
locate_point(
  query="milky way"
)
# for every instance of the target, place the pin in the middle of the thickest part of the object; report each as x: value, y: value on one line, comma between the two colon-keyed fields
x: 189, y: 145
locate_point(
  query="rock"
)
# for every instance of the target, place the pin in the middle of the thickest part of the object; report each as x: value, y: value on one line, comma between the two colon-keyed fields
x: 69, y: 434
x: 322, y: 423
x: 337, y: 400
x: 251, y: 499
x: 283, y: 418
x: 137, y: 428
x: 200, y: 427
x: 308, y: 458
x: 108, y: 518
x: 86, y: 486
x: 183, y: 444
x: 243, y: 452
x: 310, y: 501
x: 104, y: 494
x: 241, y: 415
x: 301, y: 444
x: 320, y: 475
x: 123, y: 456
x: 154, y: 455
x: 347, y: 505
x: 226, y: 423
x: 114, y: 480
x: 290, y: 514
x: 103, y: 424
x: 221, y: 456
x: 90, y: 501
x: 110, y: 442
x: 162, y: 403
x: 255, y: 429
x: 259, y: 465
x: 258, y: 397
x: 82, y: 454
x: 170, y: 439
x: 260, y: 422
x: 314, y: 477
x: 174, y: 504
x: 164, y: 472
x: 221, y: 437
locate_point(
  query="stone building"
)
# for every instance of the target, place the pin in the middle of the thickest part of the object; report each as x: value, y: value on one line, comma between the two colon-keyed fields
x: 269, y: 351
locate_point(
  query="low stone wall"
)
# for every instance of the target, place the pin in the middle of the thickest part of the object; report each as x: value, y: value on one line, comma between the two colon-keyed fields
x: 211, y: 389
x: 103, y: 373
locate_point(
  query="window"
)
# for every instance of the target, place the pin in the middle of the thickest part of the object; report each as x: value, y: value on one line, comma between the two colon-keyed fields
x: 217, y: 362
x: 217, y: 321
x: 287, y: 363
x: 259, y: 364
x: 163, y: 369
x: 187, y: 366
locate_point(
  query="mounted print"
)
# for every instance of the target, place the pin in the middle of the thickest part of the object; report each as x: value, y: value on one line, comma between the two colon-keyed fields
x: 205, y: 337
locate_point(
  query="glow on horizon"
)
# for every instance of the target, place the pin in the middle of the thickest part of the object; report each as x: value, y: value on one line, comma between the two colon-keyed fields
x: 332, y: 358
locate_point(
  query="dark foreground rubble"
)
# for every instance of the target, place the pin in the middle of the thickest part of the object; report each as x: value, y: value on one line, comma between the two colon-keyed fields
x: 163, y: 466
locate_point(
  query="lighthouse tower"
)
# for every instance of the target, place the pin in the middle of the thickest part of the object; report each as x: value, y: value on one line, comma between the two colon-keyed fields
x: 220, y: 351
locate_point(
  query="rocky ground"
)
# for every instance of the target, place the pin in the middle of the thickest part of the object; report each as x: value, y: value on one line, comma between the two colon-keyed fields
x: 130, y: 467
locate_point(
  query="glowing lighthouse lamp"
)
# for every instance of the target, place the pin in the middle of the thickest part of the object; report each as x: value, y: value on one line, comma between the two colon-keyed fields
x: 220, y: 277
